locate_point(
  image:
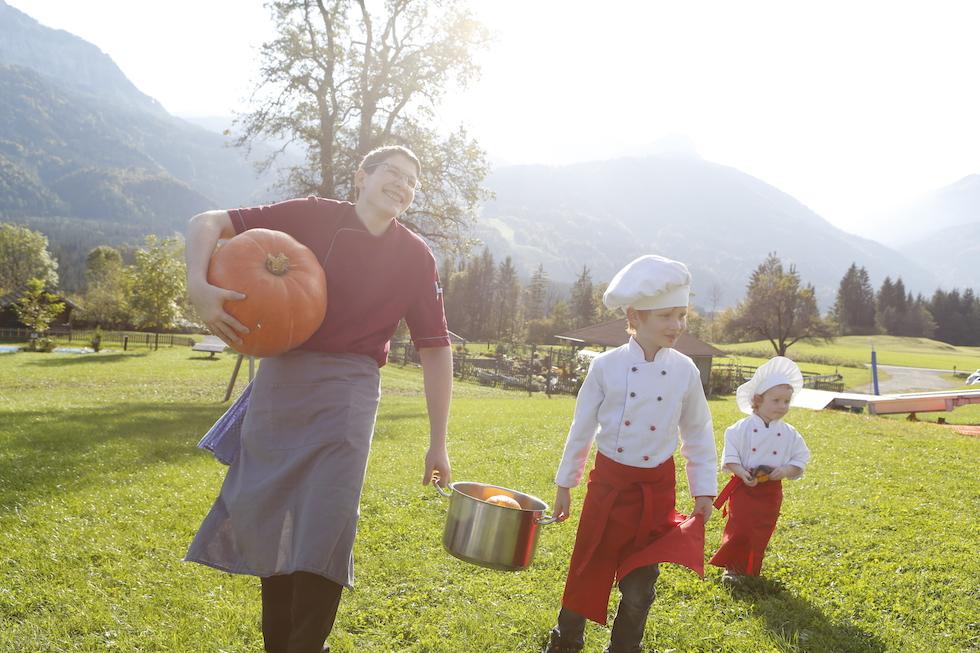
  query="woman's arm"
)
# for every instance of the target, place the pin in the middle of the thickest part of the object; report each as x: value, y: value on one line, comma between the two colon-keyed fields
x: 203, y: 234
x: 437, y: 376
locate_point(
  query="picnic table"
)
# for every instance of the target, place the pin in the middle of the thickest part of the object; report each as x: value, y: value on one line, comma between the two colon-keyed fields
x: 211, y: 344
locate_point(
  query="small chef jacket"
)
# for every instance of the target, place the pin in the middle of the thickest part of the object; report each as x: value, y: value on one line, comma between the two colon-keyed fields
x: 634, y: 409
x: 749, y: 442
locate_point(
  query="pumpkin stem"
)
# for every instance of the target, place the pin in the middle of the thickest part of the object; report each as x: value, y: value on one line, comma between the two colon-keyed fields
x: 277, y: 264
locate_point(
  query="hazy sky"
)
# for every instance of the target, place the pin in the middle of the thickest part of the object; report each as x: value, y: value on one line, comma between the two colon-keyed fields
x: 849, y: 106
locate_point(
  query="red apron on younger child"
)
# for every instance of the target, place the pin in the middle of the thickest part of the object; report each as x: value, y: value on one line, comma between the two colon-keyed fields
x: 752, y: 515
x: 628, y: 521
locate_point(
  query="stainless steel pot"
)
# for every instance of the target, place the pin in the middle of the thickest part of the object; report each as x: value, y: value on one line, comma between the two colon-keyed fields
x: 491, y: 535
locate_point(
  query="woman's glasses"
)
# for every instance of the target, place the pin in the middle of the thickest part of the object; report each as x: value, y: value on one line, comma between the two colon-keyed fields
x: 397, y: 175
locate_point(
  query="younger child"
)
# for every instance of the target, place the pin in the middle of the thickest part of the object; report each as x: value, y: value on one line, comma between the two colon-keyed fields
x: 634, y: 401
x: 760, y: 451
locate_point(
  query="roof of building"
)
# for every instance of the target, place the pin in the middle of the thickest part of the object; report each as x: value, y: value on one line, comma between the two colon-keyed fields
x: 613, y: 334
x: 10, y: 298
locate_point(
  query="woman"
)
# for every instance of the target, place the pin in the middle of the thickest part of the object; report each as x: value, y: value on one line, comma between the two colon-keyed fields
x: 288, y: 508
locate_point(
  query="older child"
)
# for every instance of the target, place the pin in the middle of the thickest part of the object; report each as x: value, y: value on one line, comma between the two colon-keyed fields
x: 634, y: 401
x: 760, y: 451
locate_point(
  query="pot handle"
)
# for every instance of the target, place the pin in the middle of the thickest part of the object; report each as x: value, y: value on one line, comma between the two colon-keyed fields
x: 441, y: 490
x: 547, y: 519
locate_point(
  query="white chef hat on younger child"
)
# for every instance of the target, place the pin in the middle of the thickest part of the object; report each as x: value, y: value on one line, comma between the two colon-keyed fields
x: 649, y: 282
x: 776, y: 371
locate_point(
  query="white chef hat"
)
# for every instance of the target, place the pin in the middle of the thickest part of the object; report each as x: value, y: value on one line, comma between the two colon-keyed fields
x: 776, y: 371
x: 649, y: 282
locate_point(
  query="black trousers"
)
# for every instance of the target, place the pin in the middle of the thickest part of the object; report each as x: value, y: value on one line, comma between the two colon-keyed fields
x: 298, y: 611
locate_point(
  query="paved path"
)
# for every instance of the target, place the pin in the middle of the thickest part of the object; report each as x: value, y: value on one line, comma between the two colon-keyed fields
x: 910, y: 379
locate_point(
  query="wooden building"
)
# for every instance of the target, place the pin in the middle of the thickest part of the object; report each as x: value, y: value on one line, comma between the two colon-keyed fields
x: 613, y: 334
x: 8, y: 317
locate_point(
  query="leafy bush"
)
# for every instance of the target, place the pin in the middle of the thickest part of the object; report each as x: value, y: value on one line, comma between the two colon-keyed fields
x: 96, y: 341
x: 45, y: 345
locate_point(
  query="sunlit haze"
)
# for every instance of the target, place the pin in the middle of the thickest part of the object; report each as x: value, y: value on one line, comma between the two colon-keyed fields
x: 849, y: 106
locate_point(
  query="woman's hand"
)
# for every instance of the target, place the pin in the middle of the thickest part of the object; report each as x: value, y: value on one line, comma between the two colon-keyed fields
x: 563, y: 504
x: 437, y: 468
x: 209, y: 302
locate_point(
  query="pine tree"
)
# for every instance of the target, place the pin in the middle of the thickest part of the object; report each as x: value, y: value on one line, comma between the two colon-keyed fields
x: 536, y: 294
x: 854, y: 309
x: 582, y: 302
x: 891, y: 304
x: 507, y: 293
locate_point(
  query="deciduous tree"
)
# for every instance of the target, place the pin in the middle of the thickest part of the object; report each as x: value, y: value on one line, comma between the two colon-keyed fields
x: 36, y: 308
x: 24, y: 255
x: 343, y: 77
x: 108, y: 284
x: 158, y: 283
x: 778, y: 309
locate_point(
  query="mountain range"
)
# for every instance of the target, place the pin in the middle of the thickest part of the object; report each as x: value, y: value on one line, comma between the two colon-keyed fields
x: 79, y: 143
x: 77, y: 138
x: 720, y: 221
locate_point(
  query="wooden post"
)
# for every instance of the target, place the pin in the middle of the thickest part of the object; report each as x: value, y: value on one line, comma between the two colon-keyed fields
x: 530, y: 370
x: 234, y: 375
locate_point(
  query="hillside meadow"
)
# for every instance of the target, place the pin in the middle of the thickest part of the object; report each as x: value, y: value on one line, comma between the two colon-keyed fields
x: 855, y: 351
x: 101, y: 490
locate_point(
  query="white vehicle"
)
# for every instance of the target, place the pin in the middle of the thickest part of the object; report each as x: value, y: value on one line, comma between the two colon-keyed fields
x: 973, y: 378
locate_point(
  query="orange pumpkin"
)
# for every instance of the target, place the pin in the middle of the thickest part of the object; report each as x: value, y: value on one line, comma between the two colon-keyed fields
x: 505, y: 501
x: 284, y: 286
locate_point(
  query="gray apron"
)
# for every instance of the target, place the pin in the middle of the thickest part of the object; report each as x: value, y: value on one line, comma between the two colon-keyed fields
x: 290, y: 499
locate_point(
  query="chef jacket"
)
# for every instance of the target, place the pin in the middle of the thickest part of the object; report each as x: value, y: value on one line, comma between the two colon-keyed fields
x: 749, y: 442
x: 634, y: 410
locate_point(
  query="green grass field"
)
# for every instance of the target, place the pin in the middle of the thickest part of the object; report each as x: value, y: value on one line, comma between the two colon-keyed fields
x: 101, y: 490
x: 855, y: 351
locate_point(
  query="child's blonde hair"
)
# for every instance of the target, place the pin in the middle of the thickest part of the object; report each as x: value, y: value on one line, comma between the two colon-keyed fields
x: 641, y: 314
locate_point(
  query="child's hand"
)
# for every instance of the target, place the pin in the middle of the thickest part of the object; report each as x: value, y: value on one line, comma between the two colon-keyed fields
x: 748, y: 479
x: 779, y: 473
x: 704, y: 506
x: 563, y: 504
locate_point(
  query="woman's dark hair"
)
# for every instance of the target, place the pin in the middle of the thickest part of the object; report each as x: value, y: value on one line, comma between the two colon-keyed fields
x: 379, y: 154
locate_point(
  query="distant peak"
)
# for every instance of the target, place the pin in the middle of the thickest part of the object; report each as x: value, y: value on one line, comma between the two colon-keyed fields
x: 675, y: 145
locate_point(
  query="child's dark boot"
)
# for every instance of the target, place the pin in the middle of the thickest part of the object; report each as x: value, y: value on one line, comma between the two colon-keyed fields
x: 558, y: 645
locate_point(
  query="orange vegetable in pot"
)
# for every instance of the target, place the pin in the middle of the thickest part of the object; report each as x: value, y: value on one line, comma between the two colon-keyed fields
x: 504, y: 500
x: 284, y: 285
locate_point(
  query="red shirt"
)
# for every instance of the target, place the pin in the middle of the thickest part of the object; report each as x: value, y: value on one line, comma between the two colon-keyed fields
x: 372, y: 281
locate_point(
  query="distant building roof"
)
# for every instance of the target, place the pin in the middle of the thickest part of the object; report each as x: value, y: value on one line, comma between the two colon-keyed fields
x: 10, y: 298
x: 613, y: 334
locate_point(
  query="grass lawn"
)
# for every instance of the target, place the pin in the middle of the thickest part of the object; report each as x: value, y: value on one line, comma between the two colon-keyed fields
x: 855, y: 351
x: 101, y: 490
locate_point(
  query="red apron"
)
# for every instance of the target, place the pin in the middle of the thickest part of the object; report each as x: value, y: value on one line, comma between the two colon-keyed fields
x: 628, y: 521
x: 752, y: 514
